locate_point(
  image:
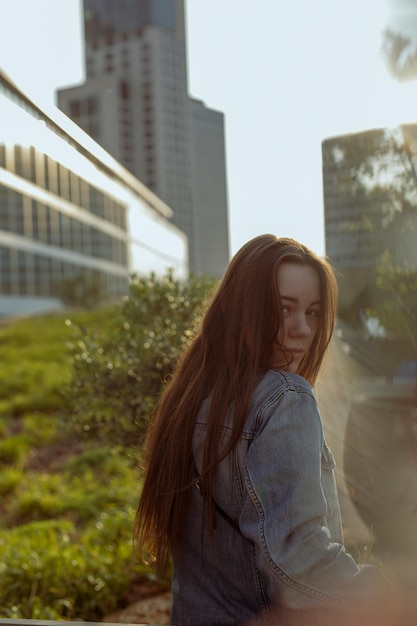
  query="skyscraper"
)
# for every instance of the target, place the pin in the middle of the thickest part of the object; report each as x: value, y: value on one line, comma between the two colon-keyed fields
x: 135, y: 103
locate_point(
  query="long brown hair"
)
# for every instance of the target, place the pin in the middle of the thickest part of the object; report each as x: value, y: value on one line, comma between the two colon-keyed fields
x: 232, y: 348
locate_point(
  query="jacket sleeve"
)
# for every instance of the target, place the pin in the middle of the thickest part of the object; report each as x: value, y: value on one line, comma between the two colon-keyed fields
x: 286, y: 511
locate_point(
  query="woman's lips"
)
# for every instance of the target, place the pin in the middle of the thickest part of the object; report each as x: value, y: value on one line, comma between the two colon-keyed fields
x: 295, y: 351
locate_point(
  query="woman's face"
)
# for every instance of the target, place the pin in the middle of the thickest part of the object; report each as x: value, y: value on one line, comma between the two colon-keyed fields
x: 299, y: 289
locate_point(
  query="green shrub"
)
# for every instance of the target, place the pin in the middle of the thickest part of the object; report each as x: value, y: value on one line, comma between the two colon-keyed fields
x: 49, y: 571
x: 35, y: 505
x: 90, y: 483
x: 13, y: 450
x: 10, y: 478
x: 107, y: 463
x: 40, y: 429
x: 117, y: 376
x: 3, y: 427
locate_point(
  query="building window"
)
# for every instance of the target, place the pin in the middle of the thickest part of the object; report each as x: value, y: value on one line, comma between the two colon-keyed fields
x: 32, y: 164
x: 124, y: 90
x: 75, y: 108
x: 92, y: 105
x: 18, y: 160
x: 5, y: 277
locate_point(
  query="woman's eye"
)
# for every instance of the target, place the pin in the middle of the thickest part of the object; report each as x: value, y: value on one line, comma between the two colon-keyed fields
x: 313, y: 313
x: 285, y: 310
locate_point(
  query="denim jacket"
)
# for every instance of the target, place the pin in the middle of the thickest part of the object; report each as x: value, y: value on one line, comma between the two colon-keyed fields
x: 279, y: 487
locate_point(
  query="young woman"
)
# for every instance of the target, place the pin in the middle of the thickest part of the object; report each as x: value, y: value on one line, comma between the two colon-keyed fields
x: 239, y: 487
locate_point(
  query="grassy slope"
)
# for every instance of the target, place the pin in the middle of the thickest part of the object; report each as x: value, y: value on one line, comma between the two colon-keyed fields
x: 66, y: 508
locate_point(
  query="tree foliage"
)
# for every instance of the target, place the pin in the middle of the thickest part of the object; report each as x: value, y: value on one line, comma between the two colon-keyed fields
x: 376, y: 169
x: 400, y: 55
x: 372, y: 178
x: 118, y: 376
x: 398, y: 305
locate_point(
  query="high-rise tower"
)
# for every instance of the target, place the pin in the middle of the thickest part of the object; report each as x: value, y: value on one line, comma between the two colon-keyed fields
x: 135, y: 103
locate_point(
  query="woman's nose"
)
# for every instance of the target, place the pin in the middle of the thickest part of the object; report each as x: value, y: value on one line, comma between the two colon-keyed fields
x: 300, y: 327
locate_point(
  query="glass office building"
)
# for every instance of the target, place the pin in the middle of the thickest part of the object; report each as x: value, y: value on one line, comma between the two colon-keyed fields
x: 135, y: 104
x: 71, y: 217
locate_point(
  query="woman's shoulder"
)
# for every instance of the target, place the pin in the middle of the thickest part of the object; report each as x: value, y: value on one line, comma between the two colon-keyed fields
x: 277, y: 389
x: 277, y: 381
x: 274, y: 385
x: 281, y: 395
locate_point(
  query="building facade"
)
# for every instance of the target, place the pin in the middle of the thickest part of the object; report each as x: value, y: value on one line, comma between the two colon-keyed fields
x: 72, y: 219
x: 135, y: 104
x: 370, y: 206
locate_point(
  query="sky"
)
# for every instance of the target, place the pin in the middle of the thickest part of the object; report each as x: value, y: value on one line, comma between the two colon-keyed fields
x: 287, y: 74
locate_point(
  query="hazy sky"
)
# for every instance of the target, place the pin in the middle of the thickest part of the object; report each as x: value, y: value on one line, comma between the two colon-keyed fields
x: 285, y: 74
